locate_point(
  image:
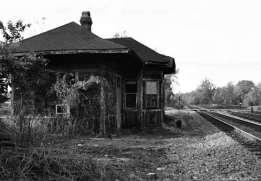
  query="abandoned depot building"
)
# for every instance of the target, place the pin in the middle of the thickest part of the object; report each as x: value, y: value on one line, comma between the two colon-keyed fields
x: 122, y: 79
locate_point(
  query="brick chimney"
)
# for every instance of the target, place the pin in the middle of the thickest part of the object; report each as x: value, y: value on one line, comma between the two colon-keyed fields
x: 86, y: 20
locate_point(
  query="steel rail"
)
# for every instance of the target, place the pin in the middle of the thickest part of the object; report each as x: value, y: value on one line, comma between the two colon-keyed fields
x: 220, y: 118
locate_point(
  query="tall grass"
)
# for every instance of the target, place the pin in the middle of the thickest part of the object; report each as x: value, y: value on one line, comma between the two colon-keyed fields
x: 41, y: 165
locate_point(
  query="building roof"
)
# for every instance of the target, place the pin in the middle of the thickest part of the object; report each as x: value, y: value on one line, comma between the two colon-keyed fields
x: 73, y: 38
x: 144, y: 53
x: 69, y: 37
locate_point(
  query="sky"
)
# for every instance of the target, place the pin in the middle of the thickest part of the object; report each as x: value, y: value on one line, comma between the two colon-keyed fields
x: 215, y: 39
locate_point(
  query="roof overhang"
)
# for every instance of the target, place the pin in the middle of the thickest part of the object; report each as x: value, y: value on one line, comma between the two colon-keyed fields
x: 168, y: 67
x: 66, y: 52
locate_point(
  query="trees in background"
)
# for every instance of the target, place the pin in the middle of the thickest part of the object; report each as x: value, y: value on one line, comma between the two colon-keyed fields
x: 245, y: 92
x: 206, y: 92
x: 167, y: 88
x: 242, y: 88
x: 170, y: 80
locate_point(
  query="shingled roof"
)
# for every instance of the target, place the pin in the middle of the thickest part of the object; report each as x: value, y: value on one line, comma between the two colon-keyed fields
x: 144, y: 53
x: 69, y: 37
x: 73, y: 38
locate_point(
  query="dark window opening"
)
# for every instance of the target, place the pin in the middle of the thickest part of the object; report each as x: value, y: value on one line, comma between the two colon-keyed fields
x: 130, y: 94
x: 62, y: 109
x: 118, y: 83
x: 131, y: 100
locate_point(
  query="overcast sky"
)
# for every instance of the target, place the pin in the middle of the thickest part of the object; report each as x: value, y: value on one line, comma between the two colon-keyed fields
x: 215, y: 39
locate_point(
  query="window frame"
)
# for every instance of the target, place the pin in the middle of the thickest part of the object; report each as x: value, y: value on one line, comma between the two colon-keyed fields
x: 130, y: 93
x: 67, y: 109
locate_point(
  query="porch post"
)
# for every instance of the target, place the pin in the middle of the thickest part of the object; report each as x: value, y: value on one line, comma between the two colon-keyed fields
x: 162, y: 98
x: 118, y: 102
x: 103, y: 109
x: 140, y: 97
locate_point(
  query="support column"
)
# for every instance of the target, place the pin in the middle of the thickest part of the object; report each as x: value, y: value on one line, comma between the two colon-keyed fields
x: 140, y: 85
x: 118, y: 103
x: 162, y: 98
x: 103, y: 109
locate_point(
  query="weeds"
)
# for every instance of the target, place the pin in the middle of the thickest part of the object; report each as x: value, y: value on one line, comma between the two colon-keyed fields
x: 41, y: 165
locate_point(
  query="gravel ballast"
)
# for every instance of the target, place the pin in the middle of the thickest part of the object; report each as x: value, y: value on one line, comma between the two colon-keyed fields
x: 215, y: 156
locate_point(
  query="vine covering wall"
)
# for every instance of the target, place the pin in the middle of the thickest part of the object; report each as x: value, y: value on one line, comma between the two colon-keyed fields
x: 86, y: 99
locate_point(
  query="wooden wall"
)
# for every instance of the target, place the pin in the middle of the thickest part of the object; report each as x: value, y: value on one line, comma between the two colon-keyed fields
x: 149, y: 110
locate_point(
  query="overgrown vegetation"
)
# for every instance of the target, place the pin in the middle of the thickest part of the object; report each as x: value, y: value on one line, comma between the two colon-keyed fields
x: 171, y: 99
x: 33, y: 84
x: 39, y: 164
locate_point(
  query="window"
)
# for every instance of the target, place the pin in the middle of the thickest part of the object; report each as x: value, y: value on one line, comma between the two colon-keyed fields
x: 130, y: 94
x: 81, y: 76
x: 151, y: 94
x: 62, y: 109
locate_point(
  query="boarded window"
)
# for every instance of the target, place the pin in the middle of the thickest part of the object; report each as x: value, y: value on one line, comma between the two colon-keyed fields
x: 130, y: 94
x: 151, y: 87
x: 151, y: 94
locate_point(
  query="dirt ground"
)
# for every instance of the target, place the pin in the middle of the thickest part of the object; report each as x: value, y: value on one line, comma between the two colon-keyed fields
x: 197, y: 151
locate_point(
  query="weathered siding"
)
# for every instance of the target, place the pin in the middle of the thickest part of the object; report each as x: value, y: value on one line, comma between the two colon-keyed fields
x: 144, y: 114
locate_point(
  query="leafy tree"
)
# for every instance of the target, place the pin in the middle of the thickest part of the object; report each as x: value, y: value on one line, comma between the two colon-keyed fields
x: 12, y: 34
x: 170, y: 80
x: 229, y: 94
x: 29, y: 76
x: 219, y: 95
x: 243, y: 87
x: 206, y: 91
x: 253, y: 97
x: 167, y: 89
x: 243, y: 92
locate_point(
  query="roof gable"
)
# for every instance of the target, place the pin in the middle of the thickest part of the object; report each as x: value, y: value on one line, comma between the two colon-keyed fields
x: 70, y: 36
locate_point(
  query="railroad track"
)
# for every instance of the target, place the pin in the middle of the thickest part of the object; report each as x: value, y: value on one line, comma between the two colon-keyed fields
x: 247, y: 115
x: 247, y: 133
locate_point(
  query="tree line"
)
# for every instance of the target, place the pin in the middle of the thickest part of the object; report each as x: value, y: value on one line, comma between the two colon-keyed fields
x: 243, y: 93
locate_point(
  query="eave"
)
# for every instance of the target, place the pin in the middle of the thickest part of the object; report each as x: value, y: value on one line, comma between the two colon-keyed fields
x: 66, y: 52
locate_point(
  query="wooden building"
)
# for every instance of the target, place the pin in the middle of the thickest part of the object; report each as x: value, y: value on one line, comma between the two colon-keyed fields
x: 126, y: 76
